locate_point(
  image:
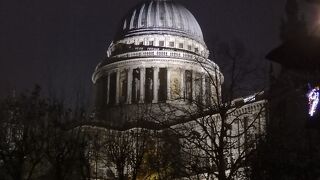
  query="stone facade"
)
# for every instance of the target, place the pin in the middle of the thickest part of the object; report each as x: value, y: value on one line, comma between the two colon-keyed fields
x: 157, y: 74
x: 146, y: 65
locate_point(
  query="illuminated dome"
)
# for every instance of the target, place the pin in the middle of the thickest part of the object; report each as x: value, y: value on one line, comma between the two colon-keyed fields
x: 161, y: 16
x: 157, y: 59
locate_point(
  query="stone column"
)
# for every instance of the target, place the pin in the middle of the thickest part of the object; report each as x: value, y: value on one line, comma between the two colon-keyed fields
x: 203, y: 88
x: 182, y: 71
x: 129, y: 86
x: 212, y: 95
x: 193, y: 85
x: 108, y: 88
x: 168, y: 83
x: 155, y: 84
x: 142, y: 83
x: 118, y: 86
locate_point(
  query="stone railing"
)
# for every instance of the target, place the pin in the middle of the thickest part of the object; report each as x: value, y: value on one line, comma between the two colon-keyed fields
x: 161, y: 54
x: 166, y: 54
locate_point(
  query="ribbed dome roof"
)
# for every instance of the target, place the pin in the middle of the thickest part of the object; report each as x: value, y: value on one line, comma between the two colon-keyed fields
x: 161, y: 16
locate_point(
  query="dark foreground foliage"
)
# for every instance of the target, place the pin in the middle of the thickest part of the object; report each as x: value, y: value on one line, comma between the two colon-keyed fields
x: 34, y: 141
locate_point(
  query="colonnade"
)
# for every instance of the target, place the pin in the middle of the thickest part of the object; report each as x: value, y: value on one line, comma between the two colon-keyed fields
x: 154, y: 84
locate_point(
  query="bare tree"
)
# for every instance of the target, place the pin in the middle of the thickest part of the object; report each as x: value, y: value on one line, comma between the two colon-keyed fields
x: 35, y: 142
x: 21, y: 143
x: 219, y: 136
x: 65, y: 153
x: 120, y: 153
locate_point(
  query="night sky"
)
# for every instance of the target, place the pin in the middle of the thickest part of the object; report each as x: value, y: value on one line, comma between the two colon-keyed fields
x: 57, y: 44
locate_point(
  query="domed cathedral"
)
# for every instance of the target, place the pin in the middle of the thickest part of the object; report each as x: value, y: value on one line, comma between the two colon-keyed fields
x: 157, y: 78
x: 158, y: 58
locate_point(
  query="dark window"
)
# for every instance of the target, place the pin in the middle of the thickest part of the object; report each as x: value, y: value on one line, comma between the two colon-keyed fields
x: 163, y: 85
x: 150, y: 43
x: 189, y: 47
x: 113, y: 88
x: 161, y: 43
x: 141, y: 43
x: 101, y: 89
x: 181, y: 45
x: 171, y: 44
x: 196, y: 50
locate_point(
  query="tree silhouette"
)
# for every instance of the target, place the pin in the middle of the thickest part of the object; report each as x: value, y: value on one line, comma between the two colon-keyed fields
x: 218, y: 138
x: 34, y: 140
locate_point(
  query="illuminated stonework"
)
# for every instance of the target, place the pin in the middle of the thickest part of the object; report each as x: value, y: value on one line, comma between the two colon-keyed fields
x: 159, y: 56
x: 157, y: 69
